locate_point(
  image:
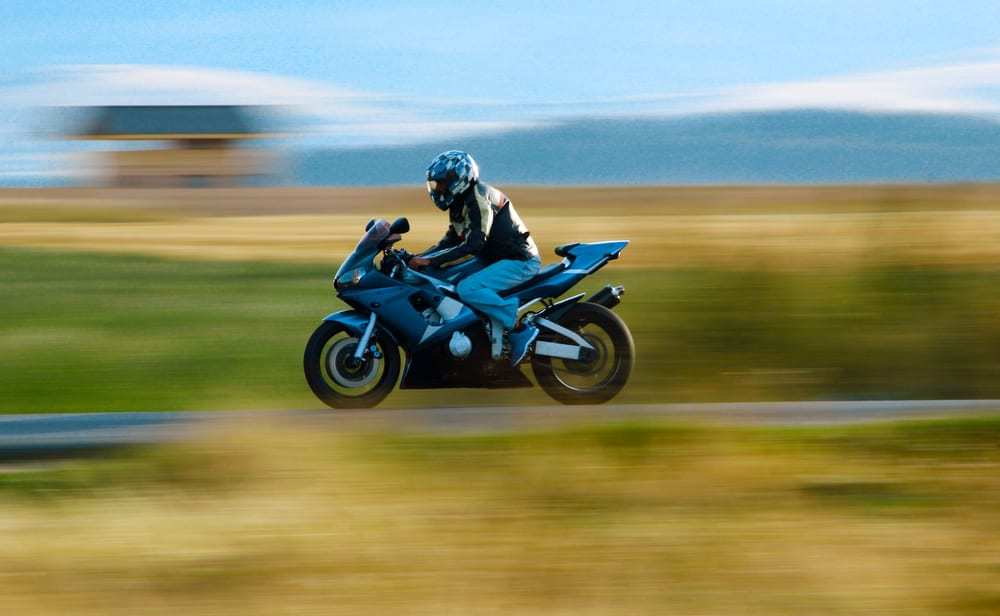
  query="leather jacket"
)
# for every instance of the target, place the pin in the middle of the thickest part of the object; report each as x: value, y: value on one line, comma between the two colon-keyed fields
x: 483, y: 223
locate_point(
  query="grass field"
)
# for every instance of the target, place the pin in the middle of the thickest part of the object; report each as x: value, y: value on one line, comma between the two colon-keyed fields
x: 152, y: 299
x: 99, y: 332
x: 148, y: 300
x: 621, y: 519
x: 732, y: 228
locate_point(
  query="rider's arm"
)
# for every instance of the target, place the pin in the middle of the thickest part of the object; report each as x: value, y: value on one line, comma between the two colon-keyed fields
x: 479, y: 219
x: 450, y: 239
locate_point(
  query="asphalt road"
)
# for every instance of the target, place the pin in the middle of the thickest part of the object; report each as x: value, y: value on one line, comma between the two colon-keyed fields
x: 40, y: 436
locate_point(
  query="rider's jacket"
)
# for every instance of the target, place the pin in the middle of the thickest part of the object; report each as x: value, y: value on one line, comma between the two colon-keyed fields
x: 483, y: 222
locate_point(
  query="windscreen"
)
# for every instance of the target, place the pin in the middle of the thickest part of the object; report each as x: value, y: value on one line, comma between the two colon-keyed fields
x: 367, y: 247
x: 375, y: 234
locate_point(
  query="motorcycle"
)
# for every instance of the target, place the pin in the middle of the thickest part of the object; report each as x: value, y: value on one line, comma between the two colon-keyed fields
x: 581, y: 351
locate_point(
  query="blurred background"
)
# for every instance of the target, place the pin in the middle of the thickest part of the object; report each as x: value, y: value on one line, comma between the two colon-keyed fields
x: 812, y: 194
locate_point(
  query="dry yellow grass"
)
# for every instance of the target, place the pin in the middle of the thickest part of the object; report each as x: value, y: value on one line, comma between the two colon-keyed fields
x: 669, y: 227
x: 939, y: 238
x: 593, y: 199
x: 634, y: 520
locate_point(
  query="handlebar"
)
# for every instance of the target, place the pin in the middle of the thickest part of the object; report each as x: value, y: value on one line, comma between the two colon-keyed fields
x: 402, y: 254
x: 393, y: 259
x: 402, y: 259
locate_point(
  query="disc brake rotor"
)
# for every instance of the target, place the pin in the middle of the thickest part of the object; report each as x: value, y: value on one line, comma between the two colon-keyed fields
x: 345, y: 369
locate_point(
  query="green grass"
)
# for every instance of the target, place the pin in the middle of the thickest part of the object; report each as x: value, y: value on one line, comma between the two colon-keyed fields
x: 97, y: 332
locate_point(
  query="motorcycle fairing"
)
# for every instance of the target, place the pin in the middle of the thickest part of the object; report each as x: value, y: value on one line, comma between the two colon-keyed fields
x: 580, y: 261
x: 390, y: 300
x: 433, y: 367
x: 428, y: 363
x: 355, y: 322
x: 352, y: 320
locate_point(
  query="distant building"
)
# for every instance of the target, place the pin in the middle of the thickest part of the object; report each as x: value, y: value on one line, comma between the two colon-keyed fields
x: 190, y: 145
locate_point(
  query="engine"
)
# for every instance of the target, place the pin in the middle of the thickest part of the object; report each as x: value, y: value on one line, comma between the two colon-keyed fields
x: 460, y: 346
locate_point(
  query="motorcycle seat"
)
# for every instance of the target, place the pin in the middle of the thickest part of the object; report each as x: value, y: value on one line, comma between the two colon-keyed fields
x: 543, y: 274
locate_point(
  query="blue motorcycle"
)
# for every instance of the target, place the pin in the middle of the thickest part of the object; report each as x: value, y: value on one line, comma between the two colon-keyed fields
x: 581, y: 352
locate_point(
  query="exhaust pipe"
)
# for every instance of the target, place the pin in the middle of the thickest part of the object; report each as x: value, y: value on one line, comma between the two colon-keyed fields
x: 609, y: 297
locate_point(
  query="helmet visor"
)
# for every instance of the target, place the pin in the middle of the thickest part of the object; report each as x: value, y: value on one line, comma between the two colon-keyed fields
x: 437, y: 186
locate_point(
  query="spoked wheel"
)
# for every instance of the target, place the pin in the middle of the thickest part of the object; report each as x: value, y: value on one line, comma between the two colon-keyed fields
x: 600, y: 377
x: 340, y: 380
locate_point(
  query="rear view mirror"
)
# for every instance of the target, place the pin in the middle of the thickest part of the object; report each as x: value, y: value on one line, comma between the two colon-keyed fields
x: 369, y: 225
x: 400, y: 226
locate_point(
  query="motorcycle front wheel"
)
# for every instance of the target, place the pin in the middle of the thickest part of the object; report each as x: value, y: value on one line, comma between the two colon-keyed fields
x: 340, y: 380
x: 601, y: 377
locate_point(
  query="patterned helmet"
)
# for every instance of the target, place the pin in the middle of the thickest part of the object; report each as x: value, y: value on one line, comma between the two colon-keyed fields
x: 450, y: 175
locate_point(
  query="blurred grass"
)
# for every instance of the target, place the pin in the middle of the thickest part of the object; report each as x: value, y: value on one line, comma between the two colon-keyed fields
x: 638, y: 518
x: 97, y: 332
x: 664, y: 240
x: 734, y: 293
x: 670, y: 227
x: 71, y: 212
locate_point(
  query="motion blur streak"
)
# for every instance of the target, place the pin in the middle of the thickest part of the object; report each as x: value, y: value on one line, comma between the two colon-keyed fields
x: 643, y: 518
x: 734, y: 294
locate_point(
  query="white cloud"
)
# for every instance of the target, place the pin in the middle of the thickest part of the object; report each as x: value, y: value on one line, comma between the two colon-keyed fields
x: 130, y: 84
x: 316, y: 113
x: 334, y: 115
x: 318, y: 109
x: 340, y: 114
x: 951, y: 88
x: 971, y: 87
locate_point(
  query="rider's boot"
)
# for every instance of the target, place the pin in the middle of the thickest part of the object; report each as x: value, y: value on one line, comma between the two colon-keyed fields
x: 520, y: 339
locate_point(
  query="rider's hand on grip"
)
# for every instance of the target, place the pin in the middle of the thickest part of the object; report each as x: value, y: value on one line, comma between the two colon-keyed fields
x: 419, y: 262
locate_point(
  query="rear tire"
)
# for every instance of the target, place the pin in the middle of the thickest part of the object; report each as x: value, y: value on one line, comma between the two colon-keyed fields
x: 340, y: 381
x: 568, y: 381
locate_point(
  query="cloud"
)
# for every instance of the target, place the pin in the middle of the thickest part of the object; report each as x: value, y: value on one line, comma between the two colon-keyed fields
x: 342, y: 115
x: 332, y: 115
x: 315, y: 113
x: 316, y: 109
x: 131, y: 84
x: 970, y: 87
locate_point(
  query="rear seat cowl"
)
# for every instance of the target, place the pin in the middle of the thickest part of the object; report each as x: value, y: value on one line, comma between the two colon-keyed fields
x: 563, y: 249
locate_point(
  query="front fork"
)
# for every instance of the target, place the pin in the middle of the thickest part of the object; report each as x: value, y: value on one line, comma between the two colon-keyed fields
x: 365, y: 341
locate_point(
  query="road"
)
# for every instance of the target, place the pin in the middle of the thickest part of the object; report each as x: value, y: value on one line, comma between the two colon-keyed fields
x: 57, y: 435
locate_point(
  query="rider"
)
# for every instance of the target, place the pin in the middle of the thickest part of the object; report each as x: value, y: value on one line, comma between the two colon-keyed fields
x: 484, y: 224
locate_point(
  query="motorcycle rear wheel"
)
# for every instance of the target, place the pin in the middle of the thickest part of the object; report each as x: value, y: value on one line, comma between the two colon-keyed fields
x: 339, y: 380
x: 595, y: 381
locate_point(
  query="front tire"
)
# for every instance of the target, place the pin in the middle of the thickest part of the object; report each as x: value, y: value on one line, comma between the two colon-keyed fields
x: 595, y: 381
x: 339, y: 380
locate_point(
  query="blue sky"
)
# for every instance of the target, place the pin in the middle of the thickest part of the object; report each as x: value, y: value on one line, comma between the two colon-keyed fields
x: 383, y: 72
x: 526, y: 50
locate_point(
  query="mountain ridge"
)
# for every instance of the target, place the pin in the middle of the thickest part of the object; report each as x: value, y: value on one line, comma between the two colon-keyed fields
x: 797, y: 146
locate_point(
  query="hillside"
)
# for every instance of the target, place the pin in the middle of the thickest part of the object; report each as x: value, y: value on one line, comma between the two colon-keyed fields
x: 765, y: 147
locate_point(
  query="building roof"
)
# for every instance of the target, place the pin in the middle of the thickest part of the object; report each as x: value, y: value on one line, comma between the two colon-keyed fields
x: 148, y: 122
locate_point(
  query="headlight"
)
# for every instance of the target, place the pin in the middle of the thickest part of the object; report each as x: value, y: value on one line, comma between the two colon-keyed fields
x: 348, y: 279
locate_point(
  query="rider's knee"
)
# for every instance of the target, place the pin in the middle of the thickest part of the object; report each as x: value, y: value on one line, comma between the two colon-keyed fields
x: 465, y: 288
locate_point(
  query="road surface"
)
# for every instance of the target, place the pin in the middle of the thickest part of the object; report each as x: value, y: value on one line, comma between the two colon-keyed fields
x: 58, y: 435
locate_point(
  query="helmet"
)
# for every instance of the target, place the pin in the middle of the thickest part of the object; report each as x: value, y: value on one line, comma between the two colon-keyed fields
x: 449, y: 175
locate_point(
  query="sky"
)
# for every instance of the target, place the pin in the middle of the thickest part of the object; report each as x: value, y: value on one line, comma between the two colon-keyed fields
x: 361, y: 73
